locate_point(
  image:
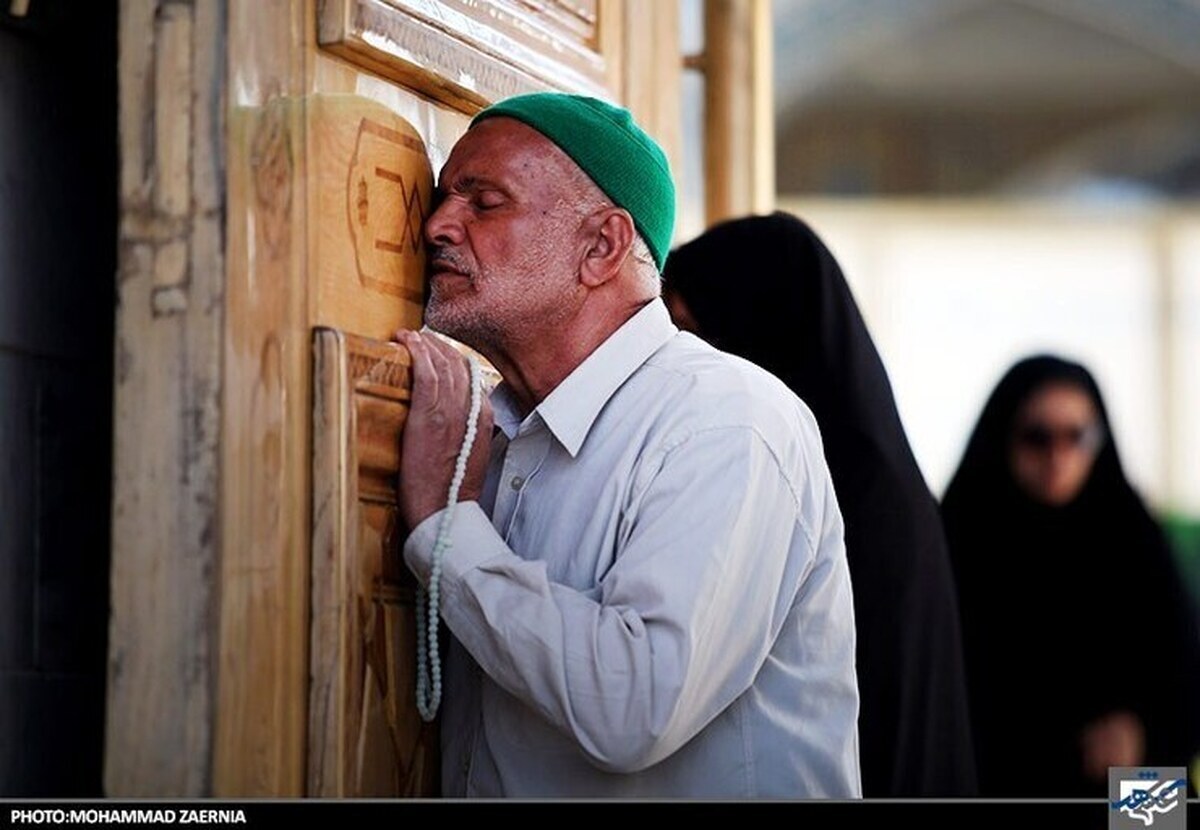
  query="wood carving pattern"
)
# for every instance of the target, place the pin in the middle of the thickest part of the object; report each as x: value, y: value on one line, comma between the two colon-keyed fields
x: 468, y: 54
x: 369, y: 372
x: 371, y: 733
x: 375, y: 216
x: 267, y: 407
x: 272, y: 165
x: 372, y: 182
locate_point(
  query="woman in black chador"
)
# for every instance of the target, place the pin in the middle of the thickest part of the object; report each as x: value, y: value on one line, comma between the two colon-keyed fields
x: 1081, y: 647
x: 766, y: 288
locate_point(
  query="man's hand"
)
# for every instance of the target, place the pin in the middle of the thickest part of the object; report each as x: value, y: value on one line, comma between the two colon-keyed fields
x: 437, y: 423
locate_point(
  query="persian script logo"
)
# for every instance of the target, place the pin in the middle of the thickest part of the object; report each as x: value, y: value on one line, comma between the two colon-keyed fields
x: 1144, y: 795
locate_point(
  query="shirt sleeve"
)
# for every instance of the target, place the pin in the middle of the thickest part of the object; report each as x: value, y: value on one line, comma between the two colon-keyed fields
x: 712, y: 559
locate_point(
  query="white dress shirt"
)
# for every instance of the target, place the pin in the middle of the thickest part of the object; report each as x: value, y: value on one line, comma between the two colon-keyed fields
x: 659, y: 604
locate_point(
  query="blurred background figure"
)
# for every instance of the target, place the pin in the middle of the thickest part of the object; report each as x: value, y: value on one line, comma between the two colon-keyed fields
x: 1001, y: 178
x: 1081, y: 647
x: 766, y: 289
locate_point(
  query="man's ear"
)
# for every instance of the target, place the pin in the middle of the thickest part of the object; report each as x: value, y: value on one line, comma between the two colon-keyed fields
x: 611, y: 235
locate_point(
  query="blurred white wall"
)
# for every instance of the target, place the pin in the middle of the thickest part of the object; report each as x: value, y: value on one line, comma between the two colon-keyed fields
x: 954, y: 293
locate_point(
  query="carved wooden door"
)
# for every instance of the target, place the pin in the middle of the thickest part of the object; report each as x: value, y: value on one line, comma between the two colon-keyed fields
x: 366, y: 737
x: 373, y: 175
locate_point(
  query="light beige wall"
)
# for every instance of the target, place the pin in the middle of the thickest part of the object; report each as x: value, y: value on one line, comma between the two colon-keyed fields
x: 956, y: 292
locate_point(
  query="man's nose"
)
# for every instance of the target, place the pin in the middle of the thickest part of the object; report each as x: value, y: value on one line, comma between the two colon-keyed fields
x: 444, y: 227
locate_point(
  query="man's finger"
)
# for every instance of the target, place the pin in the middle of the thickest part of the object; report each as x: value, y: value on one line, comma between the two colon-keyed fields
x: 457, y: 369
x: 425, y: 380
x: 450, y: 385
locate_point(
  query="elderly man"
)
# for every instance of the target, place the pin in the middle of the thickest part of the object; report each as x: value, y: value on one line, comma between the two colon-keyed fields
x: 646, y: 581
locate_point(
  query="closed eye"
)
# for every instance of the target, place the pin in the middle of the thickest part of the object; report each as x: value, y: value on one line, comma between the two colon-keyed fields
x: 488, y: 199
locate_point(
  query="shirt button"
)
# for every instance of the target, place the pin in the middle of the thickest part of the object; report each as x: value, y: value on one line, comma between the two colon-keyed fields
x: 517, y: 482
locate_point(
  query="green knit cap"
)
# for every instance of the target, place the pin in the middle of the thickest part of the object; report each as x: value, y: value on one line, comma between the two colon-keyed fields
x: 604, y: 141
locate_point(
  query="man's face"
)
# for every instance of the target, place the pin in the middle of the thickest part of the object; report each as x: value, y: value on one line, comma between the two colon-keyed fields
x: 505, y: 241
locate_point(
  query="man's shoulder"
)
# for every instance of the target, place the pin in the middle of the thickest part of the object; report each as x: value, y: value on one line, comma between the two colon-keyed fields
x: 692, y: 395
x: 701, y: 369
x: 708, y: 386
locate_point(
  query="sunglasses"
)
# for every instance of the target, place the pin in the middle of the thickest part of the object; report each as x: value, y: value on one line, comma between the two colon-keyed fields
x: 1042, y: 438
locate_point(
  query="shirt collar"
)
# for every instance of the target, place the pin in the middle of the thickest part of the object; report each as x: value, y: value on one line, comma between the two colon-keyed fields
x: 573, y: 406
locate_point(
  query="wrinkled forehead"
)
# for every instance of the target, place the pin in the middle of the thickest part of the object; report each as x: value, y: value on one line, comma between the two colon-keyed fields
x: 509, y: 149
